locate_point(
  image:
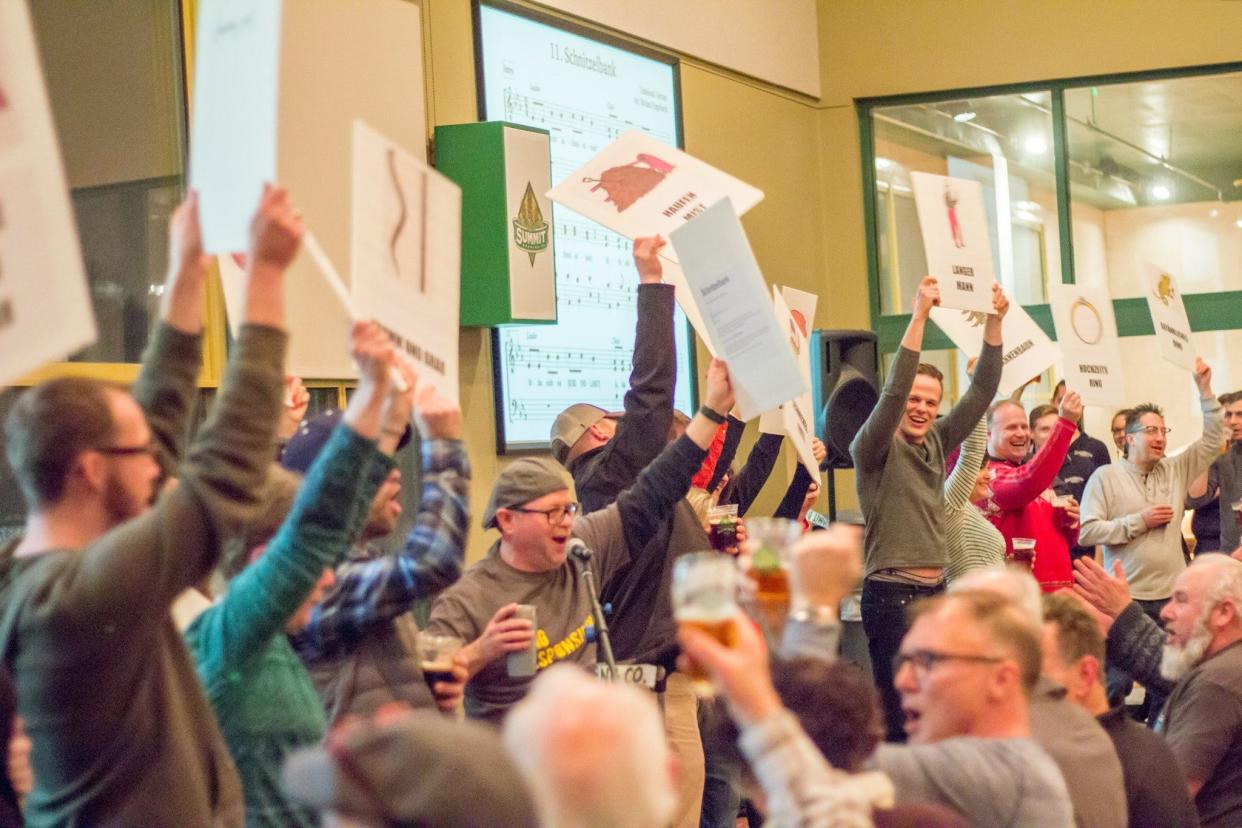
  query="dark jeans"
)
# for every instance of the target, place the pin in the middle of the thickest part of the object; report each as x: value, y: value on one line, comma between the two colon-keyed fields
x: 884, y: 619
x: 722, y: 792
x: 1120, y: 682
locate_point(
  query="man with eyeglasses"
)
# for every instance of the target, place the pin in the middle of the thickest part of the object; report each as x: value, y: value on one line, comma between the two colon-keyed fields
x: 1134, y: 507
x: 965, y: 672
x: 531, y: 506
x: 122, y: 732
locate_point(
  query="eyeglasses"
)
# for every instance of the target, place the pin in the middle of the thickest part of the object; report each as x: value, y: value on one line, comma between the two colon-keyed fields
x: 924, y: 661
x: 1151, y: 431
x: 122, y: 451
x: 554, y: 515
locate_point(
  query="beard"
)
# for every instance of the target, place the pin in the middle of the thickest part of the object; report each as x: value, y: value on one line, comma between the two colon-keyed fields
x: 120, y: 505
x: 1176, y: 661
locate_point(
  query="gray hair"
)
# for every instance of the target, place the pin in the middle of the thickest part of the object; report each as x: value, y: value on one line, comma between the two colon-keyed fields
x: 594, y: 753
x: 1225, y: 585
x: 1011, y: 583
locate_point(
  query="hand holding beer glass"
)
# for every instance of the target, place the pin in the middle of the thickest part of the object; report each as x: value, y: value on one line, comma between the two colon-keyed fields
x: 437, y: 657
x: 1024, y: 553
x: 767, y: 564
x: 705, y: 598
x: 824, y: 568
x: 740, y: 669
x: 722, y: 528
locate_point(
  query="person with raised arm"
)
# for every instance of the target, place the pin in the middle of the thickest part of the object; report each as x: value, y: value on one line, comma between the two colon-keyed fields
x: 899, y: 456
x: 262, y: 695
x: 122, y: 732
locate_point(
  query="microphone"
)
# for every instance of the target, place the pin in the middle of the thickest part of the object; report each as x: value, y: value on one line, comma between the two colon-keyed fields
x: 579, y: 550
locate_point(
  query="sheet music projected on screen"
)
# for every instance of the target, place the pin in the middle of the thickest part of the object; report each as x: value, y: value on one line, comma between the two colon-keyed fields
x: 585, y: 93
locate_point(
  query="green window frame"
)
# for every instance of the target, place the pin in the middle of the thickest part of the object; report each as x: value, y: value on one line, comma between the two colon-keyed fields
x: 1215, y: 311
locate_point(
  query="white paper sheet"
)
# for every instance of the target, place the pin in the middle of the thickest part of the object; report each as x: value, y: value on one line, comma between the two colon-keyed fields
x: 406, y: 254
x: 798, y: 415
x: 45, y: 304
x: 1087, y: 334
x: 1168, y: 316
x: 955, y: 238
x: 1028, y: 350
x: 638, y: 186
x: 733, y: 300
x: 233, y: 135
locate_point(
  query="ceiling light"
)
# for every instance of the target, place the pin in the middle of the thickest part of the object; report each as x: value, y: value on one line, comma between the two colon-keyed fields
x: 1161, y: 192
x: 883, y: 164
x: 1035, y: 144
x: 1238, y: 222
x: 964, y: 117
x: 1213, y: 213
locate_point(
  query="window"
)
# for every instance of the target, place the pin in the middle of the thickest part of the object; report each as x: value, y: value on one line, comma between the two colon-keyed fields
x: 1005, y: 143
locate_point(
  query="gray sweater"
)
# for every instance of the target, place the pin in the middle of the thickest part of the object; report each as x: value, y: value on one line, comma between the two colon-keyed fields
x: 901, y: 485
x: 1118, y: 493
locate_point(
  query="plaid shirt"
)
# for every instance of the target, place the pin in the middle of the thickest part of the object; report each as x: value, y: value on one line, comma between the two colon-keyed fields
x: 373, y: 587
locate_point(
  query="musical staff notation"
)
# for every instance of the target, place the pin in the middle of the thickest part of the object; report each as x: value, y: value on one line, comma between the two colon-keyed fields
x: 587, y: 355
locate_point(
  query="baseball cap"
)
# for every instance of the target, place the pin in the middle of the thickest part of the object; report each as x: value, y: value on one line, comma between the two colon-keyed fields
x: 421, y: 769
x: 522, y: 481
x: 312, y: 435
x: 572, y: 423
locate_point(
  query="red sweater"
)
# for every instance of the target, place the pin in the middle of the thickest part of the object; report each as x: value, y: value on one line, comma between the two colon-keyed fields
x: 1019, y: 509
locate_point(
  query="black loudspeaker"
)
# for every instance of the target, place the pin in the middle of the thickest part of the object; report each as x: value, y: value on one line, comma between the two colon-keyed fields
x: 845, y: 385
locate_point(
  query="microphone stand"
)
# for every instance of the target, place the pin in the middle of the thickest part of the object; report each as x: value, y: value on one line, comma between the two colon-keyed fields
x: 601, y: 624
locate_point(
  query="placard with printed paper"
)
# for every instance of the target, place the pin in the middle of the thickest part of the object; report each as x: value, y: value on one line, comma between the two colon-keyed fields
x: 955, y: 238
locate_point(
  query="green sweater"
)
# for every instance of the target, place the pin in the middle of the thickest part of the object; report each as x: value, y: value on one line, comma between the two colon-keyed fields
x: 262, y: 695
x: 122, y: 733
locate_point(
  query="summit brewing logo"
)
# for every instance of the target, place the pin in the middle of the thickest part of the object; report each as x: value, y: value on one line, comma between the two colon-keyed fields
x: 530, y: 231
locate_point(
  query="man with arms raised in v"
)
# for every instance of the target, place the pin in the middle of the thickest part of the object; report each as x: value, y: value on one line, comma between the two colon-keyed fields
x: 899, y: 454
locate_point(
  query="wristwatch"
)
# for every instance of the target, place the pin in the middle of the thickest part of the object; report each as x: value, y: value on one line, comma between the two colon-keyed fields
x: 817, y: 616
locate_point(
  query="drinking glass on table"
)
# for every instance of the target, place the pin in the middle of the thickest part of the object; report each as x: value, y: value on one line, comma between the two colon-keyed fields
x: 705, y: 597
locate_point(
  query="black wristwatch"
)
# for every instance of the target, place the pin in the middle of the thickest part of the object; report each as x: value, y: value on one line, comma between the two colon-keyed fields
x: 711, y: 414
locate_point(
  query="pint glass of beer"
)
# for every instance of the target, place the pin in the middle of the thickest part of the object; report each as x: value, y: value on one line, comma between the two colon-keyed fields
x: 435, y: 657
x: 767, y: 547
x: 1024, y: 553
x: 722, y: 528
x: 705, y: 597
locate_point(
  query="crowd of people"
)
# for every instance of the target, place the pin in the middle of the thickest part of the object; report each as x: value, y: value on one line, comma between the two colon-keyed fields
x: 211, y: 629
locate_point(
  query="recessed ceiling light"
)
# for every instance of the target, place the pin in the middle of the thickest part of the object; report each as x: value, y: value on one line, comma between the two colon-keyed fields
x: 963, y: 117
x: 1238, y: 222
x: 1035, y: 144
x: 1161, y: 192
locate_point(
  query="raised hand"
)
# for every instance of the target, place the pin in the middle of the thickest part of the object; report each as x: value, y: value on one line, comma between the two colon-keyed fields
x: 719, y: 396
x: 1110, y: 594
x: 647, y: 259
x: 927, y: 297
x: 1000, y: 302
x: 826, y: 566
x: 1071, y: 407
x: 437, y: 417
x: 818, y: 451
x: 1203, y: 378
x: 740, y: 672
x: 184, y: 292
x: 276, y: 231
x: 297, y: 400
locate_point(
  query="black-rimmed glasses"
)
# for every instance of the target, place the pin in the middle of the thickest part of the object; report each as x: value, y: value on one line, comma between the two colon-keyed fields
x: 124, y: 451
x: 554, y: 515
x: 924, y: 661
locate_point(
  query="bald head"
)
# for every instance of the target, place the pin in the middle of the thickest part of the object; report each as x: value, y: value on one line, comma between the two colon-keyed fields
x: 1009, y: 433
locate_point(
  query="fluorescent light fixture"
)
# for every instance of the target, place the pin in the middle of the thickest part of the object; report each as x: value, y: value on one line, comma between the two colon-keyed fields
x: 1035, y: 144
x: 964, y: 117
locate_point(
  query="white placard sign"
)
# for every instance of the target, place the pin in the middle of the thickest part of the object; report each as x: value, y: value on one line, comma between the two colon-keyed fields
x: 685, y: 300
x: 798, y: 415
x: 45, y: 304
x: 729, y: 291
x: 1087, y: 334
x: 638, y: 186
x: 802, y: 305
x: 1168, y: 317
x: 233, y: 136
x: 1028, y: 350
x: 955, y: 238
x: 406, y: 254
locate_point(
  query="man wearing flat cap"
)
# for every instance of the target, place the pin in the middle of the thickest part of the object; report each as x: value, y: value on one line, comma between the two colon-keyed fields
x: 605, y: 450
x: 531, y: 506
